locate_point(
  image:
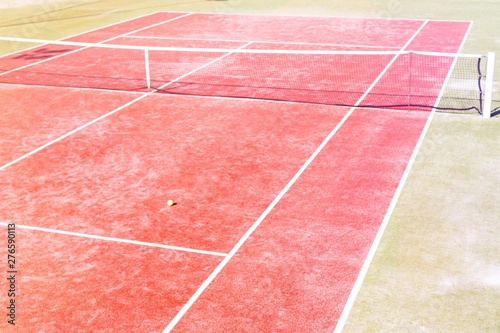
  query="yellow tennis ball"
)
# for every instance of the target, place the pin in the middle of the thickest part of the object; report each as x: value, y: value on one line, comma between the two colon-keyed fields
x: 170, y: 202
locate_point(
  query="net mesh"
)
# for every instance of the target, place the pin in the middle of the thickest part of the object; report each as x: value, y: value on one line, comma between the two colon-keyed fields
x: 404, y: 80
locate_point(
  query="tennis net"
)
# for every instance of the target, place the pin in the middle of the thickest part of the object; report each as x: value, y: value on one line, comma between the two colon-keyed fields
x: 404, y: 80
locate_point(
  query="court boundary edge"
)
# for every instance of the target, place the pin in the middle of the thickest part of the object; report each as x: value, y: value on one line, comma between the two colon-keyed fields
x: 388, y: 216
x: 317, y: 16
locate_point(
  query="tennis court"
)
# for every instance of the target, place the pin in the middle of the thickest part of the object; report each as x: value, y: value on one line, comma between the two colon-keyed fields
x: 284, y: 167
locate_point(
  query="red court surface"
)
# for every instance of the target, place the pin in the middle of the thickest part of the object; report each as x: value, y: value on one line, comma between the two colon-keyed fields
x: 277, y: 202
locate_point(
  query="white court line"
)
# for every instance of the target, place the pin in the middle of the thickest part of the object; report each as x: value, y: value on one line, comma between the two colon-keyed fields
x: 118, y: 23
x: 378, y: 238
x: 85, y: 32
x: 302, y: 16
x: 261, y: 42
x: 320, y: 16
x: 148, y: 27
x: 86, y: 47
x: 117, y: 240
x: 278, y: 198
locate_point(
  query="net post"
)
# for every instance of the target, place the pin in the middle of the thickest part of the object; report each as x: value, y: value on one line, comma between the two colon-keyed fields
x: 146, y: 61
x: 488, y: 89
